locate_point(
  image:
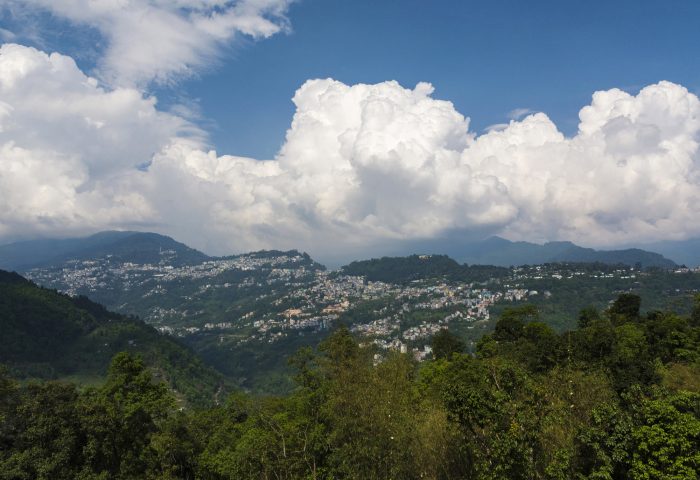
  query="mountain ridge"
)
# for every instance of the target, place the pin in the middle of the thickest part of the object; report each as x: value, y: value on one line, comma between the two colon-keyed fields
x: 502, y: 252
x: 148, y: 247
x: 686, y: 252
x: 139, y: 247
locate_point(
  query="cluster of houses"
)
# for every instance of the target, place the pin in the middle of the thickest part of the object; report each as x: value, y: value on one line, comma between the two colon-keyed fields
x: 298, y: 297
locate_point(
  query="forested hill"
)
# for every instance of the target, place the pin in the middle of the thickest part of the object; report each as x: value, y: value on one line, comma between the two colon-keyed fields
x: 134, y: 247
x: 491, y: 259
x: 616, y: 399
x: 48, y: 335
x: 421, y: 267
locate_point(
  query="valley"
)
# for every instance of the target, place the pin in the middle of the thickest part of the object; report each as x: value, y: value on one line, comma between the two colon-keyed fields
x: 268, y: 352
x: 247, y: 314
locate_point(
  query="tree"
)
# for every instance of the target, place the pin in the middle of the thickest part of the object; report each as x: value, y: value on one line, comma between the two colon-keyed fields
x: 695, y: 314
x: 539, y: 346
x: 603, y: 445
x: 498, y: 427
x: 667, y: 440
x: 587, y: 316
x: 595, y: 342
x: 339, y: 350
x: 8, y: 405
x: 625, y: 308
x: 512, y: 322
x: 445, y: 343
x: 48, y: 440
x: 629, y: 362
x: 669, y: 337
x: 176, y: 448
x: 121, y: 417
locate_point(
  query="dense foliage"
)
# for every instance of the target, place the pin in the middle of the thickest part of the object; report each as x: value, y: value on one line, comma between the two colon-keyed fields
x: 47, y: 335
x: 617, y: 398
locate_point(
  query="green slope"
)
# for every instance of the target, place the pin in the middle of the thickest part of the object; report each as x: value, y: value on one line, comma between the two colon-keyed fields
x: 48, y: 335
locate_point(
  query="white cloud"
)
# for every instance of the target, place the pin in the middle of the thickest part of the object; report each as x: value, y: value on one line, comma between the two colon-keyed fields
x: 630, y: 173
x: 362, y: 166
x: 496, y: 127
x: 519, y: 113
x: 66, y: 144
x: 162, y: 40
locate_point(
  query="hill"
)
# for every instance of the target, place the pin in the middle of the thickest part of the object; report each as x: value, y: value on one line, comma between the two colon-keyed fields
x: 49, y: 335
x: 502, y: 252
x: 134, y: 247
x: 212, y: 306
x: 420, y: 267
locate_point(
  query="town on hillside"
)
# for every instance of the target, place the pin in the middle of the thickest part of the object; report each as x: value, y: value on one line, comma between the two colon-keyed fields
x: 266, y: 297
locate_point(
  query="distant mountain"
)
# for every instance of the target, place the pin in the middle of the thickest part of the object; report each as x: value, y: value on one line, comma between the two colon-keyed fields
x: 48, y: 335
x: 685, y: 252
x: 499, y: 251
x: 135, y: 247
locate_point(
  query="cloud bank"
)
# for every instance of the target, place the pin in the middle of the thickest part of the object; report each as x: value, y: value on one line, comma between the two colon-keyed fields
x: 362, y: 166
x: 162, y: 40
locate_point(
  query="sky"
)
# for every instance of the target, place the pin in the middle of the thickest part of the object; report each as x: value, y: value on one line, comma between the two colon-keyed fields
x: 350, y: 129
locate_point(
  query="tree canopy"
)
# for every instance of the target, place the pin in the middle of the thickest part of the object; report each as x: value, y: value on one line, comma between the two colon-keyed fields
x: 617, y: 399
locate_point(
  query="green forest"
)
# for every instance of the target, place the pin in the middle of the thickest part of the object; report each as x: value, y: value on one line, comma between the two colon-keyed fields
x: 616, y: 398
x: 48, y: 335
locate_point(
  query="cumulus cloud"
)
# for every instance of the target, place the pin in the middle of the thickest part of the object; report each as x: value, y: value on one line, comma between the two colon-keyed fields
x: 66, y: 143
x: 162, y: 40
x: 630, y: 173
x: 362, y: 166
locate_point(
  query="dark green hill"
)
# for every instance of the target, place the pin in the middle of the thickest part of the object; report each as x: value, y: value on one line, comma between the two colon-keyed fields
x: 48, y: 335
x: 135, y: 247
x: 420, y: 267
x: 630, y: 256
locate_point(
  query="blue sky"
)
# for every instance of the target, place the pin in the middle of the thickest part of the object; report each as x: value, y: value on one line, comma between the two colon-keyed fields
x: 368, y: 158
x: 487, y: 57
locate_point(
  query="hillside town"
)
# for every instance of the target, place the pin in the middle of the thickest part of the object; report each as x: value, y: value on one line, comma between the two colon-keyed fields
x: 265, y: 297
